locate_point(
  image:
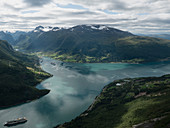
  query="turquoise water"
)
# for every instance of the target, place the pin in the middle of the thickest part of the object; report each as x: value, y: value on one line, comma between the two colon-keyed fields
x: 73, y: 88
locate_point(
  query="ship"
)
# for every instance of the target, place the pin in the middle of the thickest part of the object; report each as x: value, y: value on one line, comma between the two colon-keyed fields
x: 15, y: 122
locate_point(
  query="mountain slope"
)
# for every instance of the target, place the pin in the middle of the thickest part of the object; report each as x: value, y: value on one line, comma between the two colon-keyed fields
x: 17, y: 34
x: 7, y: 37
x: 143, y: 48
x: 94, y: 43
x: 163, y: 36
x: 19, y: 73
x: 136, y: 102
x: 67, y: 40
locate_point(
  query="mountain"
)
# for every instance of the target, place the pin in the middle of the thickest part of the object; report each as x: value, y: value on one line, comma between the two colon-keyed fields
x: 144, y: 49
x: 17, y: 34
x: 77, y: 41
x: 163, y: 36
x: 127, y: 103
x: 46, y: 29
x: 59, y: 39
x: 7, y: 37
x: 19, y: 73
x: 11, y: 37
x: 94, y: 43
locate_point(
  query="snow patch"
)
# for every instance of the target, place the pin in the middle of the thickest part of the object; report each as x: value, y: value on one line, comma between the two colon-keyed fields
x: 98, y: 27
x: 46, y: 29
x: 55, y: 29
x: 103, y: 27
x: 72, y: 29
x: 35, y: 31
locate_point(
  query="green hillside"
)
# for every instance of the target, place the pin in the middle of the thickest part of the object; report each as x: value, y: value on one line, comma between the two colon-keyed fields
x: 19, y: 73
x: 133, y: 49
x: 129, y: 102
x: 86, y: 45
x: 143, y: 49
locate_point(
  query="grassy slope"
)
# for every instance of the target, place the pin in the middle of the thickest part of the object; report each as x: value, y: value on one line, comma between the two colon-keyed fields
x: 117, y: 107
x: 17, y: 79
x: 143, y: 49
x: 134, y: 49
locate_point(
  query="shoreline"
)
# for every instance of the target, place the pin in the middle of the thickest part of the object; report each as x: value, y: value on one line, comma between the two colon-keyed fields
x: 34, y: 86
x: 118, y: 62
x: 24, y: 102
x: 93, y: 107
x: 41, y: 54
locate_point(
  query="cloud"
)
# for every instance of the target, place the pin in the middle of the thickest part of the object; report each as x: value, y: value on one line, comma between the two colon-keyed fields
x: 11, y: 7
x: 146, y: 16
x: 37, y: 3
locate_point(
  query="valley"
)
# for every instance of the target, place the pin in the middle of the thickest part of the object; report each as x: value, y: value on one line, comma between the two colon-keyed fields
x: 93, y: 44
x: 81, y: 60
x: 85, y: 64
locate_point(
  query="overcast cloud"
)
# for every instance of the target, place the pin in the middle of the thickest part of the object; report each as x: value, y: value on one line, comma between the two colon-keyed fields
x: 136, y: 16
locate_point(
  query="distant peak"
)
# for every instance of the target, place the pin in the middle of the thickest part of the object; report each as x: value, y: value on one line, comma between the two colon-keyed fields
x: 39, y: 27
x: 90, y: 27
x: 46, y: 29
x: 99, y: 27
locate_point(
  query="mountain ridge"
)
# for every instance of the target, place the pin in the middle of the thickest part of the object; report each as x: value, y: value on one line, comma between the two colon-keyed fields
x: 19, y: 73
x: 93, y: 44
x: 163, y: 36
x: 7, y: 37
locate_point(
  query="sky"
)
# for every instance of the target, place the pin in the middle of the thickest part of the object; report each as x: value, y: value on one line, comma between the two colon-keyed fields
x: 136, y: 16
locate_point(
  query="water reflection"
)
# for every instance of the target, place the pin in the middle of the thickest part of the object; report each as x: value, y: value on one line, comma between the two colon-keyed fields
x: 73, y: 88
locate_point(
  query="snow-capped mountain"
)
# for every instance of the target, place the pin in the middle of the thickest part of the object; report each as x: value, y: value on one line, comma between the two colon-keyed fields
x: 102, y: 43
x: 98, y: 27
x: 46, y: 29
x: 90, y: 27
x: 78, y: 27
x: 79, y: 37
